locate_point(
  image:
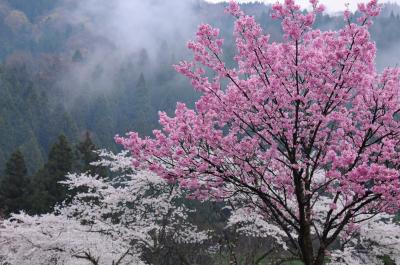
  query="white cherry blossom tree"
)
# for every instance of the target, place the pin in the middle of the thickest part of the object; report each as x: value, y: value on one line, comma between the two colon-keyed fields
x: 112, y: 221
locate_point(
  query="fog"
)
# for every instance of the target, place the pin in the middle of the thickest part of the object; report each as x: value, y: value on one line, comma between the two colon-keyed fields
x: 388, y: 57
x: 141, y: 36
x: 133, y: 24
x: 125, y: 32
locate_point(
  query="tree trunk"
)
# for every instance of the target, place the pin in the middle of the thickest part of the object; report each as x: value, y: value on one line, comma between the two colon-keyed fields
x: 319, y: 260
x: 305, y: 242
x: 305, y: 239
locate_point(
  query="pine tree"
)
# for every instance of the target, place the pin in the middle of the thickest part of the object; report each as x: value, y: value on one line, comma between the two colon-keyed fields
x: 143, y: 111
x: 77, y: 57
x: 15, y: 185
x: 85, y: 154
x: 58, y: 165
x: 48, y: 190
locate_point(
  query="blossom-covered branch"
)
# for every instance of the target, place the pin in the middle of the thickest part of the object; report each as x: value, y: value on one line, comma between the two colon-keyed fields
x: 297, y: 119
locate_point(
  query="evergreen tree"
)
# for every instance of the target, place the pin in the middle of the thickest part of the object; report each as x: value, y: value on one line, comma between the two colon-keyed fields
x: 48, y: 190
x: 58, y: 165
x: 15, y: 185
x: 85, y: 154
x: 77, y: 57
x: 143, y: 118
x: 39, y: 199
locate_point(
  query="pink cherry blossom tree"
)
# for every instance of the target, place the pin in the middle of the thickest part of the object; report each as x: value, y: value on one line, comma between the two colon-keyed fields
x: 294, y: 120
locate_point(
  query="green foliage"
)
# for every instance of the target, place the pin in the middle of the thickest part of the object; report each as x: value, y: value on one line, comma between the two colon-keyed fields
x: 48, y: 191
x: 293, y: 262
x: 141, y: 107
x: 387, y: 260
x: 62, y: 159
x: 85, y: 154
x: 27, y: 120
x: 15, y: 185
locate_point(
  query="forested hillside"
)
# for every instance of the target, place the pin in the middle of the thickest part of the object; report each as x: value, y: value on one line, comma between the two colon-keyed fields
x: 66, y: 70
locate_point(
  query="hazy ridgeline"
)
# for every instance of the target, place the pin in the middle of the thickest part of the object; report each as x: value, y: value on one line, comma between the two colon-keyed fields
x: 72, y: 66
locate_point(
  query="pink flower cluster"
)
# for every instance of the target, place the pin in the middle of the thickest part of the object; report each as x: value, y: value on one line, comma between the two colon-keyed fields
x: 310, y: 104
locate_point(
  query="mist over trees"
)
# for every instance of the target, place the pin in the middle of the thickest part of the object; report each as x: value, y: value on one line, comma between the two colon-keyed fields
x: 69, y: 67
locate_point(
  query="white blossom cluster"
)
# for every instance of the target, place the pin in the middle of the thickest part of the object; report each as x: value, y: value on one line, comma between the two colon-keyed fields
x: 363, y: 244
x: 375, y: 238
x: 109, y: 221
x: 251, y: 223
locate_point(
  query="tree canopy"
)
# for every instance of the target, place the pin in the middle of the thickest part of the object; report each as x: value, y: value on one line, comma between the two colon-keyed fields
x: 299, y: 118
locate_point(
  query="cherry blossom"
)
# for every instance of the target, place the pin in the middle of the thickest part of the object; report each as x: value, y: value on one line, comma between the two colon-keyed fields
x: 288, y: 113
x: 110, y: 221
